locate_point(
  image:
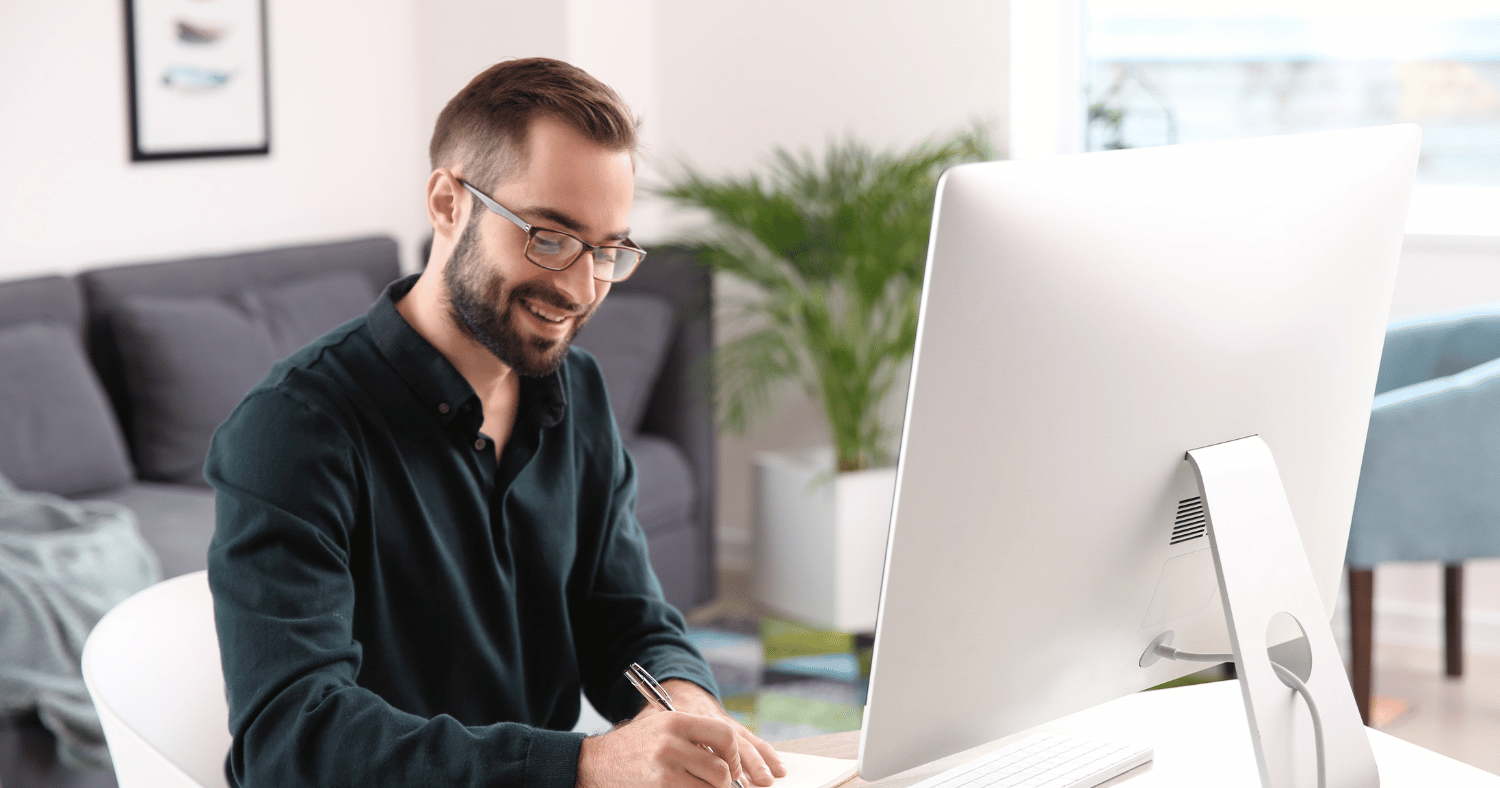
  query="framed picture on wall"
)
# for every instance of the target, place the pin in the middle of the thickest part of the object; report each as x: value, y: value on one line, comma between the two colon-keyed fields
x: 198, y: 78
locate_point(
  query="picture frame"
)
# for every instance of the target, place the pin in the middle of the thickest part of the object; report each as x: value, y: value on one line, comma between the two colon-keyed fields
x: 198, y: 76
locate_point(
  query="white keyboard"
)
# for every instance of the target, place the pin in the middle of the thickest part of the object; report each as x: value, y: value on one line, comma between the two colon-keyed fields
x: 1044, y: 760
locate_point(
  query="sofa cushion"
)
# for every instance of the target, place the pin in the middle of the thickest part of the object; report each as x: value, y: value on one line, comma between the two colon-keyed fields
x: 57, y: 432
x: 629, y: 334
x: 51, y: 298
x: 667, y: 510
x: 297, y: 313
x: 188, y: 361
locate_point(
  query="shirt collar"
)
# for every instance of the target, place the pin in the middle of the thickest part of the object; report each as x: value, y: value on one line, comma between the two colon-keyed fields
x: 435, y: 380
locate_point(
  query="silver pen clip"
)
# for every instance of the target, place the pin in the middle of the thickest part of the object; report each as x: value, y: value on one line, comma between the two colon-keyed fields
x: 647, y: 685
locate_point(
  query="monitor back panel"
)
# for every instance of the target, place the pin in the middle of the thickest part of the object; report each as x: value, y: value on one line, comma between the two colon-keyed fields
x: 1086, y: 320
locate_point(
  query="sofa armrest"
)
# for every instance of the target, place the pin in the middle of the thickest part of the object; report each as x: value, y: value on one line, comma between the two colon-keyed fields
x: 680, y: 406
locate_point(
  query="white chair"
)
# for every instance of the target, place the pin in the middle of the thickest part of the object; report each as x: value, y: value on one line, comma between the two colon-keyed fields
x: 152, y: 667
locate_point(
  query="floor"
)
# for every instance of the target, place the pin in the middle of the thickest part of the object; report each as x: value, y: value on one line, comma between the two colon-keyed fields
x: 788, y: 681
x: 1457, y: 717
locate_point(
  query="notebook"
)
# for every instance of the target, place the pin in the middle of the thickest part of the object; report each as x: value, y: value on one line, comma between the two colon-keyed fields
x: 814, y: 771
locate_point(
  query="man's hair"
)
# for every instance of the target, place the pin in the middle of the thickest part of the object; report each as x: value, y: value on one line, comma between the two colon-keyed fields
x: 483, y: 129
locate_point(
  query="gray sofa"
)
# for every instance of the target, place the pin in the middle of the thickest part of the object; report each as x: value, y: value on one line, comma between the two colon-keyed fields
x: 111, y: 382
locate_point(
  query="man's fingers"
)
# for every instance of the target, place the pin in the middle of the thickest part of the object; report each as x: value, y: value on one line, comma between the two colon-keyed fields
x: 706, y: 766
x: 773, y: 759
x: 756, y: 771
x: 715, y: 734
x: 666, y: 750
x: 758, y: 762
x: 754, y: 760
x: 764, y: 764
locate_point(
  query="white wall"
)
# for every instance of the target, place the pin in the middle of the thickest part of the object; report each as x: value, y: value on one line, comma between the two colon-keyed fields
x: 1441, y: 272
x: 457, y: 39
x: 344, y: 141
x: 736, y: 79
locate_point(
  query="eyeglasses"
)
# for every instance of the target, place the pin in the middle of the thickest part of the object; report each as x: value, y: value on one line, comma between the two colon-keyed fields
x: 556, y: 250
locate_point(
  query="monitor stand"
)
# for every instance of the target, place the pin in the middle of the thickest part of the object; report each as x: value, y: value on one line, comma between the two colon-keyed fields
x: 1264, y: 575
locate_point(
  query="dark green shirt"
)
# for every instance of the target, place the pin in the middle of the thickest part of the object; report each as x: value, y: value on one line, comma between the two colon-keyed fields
x: 396, y: 607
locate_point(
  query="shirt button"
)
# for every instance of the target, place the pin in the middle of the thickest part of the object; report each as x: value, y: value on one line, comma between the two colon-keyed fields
x: 479, y: 444
x: 468, y: 406
x: 443, y: 407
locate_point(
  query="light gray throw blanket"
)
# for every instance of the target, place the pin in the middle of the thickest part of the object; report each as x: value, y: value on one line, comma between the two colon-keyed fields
x: 63, y: 564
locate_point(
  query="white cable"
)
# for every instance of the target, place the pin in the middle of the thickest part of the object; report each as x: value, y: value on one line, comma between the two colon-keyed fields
x: 1290, y: 679
x: 1287, y: 677
x: 1167, y: 652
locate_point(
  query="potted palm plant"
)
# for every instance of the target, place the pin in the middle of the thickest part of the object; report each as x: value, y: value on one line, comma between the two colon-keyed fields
x: 833, y: 248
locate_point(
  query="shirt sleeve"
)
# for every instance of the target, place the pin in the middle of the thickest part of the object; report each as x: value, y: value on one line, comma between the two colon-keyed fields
x: 287, y: 490
x: 626, y: 618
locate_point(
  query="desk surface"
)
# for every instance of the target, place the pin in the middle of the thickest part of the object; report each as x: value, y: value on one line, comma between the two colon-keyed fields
x: 1200, y: 737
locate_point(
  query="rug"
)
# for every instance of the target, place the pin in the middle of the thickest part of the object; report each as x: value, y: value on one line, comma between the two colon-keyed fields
x: 784, y: 680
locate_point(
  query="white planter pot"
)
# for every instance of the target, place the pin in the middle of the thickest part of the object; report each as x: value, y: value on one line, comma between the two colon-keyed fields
x: 820, y: 538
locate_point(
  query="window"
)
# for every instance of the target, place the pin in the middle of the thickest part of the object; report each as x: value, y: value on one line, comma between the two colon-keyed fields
x: 1164, y: 71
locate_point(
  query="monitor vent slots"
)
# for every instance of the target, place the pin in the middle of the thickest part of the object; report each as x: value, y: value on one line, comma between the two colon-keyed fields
x: 1191, y: 522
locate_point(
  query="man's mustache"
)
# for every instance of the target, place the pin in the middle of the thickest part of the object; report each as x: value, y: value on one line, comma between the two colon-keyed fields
x: 533, y: 291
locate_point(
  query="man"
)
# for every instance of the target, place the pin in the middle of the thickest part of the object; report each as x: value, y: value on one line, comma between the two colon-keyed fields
x: 426, y: 537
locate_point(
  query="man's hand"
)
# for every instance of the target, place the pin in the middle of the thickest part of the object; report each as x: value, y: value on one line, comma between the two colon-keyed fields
x: 759, y: 760
x: 660, y: 750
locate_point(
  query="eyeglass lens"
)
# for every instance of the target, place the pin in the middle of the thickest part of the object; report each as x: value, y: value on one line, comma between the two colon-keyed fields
x: 556, y: 251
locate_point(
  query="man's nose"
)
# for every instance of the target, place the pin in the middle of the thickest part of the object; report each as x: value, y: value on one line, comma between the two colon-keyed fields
x: 577, y: 282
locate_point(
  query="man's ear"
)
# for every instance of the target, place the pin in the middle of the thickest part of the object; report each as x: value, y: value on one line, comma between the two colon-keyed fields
x: 446, y: 207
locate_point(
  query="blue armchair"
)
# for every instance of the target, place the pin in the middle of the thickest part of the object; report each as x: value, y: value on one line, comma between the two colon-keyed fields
x: 1429, y: 489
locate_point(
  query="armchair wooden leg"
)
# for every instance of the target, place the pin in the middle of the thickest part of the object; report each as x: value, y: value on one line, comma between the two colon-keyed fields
x: 1453, y: 617
x: 1361, y: 636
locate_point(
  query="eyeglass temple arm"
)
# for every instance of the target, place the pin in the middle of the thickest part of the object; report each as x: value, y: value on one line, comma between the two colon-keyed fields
x: 497, y: 207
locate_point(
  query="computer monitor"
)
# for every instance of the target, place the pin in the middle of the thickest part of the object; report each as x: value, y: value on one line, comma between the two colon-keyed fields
x: 1085, y: 321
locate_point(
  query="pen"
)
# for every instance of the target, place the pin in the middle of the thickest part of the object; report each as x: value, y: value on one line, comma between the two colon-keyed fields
x: 657, y: 696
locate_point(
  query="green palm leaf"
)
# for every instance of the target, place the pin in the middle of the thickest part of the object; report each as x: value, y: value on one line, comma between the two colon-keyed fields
x: 835, y: 248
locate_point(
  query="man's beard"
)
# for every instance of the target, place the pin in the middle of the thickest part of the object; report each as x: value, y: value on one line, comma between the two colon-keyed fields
x: 475, y: 299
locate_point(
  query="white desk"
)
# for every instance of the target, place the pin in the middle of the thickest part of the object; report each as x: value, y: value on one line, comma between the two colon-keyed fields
x: 1200, y: 737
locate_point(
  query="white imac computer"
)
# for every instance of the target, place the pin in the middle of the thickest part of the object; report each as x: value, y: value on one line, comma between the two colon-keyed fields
x: 1140, y: 395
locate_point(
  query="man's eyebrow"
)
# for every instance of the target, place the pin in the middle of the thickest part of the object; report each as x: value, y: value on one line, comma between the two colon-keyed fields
x: 556, y: 217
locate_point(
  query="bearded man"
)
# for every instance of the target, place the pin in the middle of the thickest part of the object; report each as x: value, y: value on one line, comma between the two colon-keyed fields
x: 426, y: 541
